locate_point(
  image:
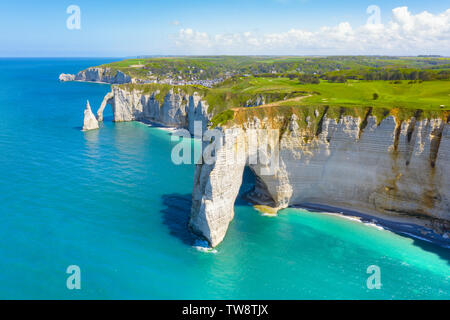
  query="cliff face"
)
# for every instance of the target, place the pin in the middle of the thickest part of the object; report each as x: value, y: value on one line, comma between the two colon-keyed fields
x: 393, y: 168
x: 175, y: 109
x: 66, y: 77
x: 106, y: 75
x: 96, y: 74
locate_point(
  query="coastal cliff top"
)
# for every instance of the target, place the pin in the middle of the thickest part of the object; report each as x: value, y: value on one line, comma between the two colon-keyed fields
x: 213, y: 69
x: 267, y: 97
x: 267, y: 86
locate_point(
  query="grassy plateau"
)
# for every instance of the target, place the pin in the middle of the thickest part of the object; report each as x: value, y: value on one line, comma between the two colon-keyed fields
x: 339, y: 85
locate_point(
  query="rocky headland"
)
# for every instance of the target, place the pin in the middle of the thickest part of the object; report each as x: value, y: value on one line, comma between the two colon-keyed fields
x: 174, y: 108
x: 97, y: 74
x: 392, y: 166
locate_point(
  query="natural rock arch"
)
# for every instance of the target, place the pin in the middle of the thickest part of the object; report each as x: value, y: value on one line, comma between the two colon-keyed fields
x: 388, y: 168
x: 108, y: 99
x: 216, y: 185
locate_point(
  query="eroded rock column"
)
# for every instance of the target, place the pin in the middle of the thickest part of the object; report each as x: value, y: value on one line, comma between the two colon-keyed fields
x: 89, y: 122
x: 216, y: 187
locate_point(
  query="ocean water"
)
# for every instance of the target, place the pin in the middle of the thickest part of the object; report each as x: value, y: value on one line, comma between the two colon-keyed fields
x: 111, y: 202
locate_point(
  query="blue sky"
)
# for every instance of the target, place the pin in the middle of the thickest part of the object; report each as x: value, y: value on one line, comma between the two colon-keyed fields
x: 128, y: 28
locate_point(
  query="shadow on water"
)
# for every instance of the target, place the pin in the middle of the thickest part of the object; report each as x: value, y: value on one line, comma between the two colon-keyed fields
x: 443, y: 253
x: 178, y: 208
x: 176, y: 216
x: 108, y: 117
x: 248, y: 184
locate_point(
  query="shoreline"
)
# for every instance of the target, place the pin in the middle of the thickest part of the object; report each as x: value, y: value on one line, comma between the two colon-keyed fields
x: 411, y: 227
x: 156, y: 124
x: 99, y: 82
x: 408, y: 226
x: 403, y: 226
x: 162, y: 126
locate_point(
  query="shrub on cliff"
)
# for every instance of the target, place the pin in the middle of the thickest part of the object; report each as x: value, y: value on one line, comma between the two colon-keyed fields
x: 222, y: 118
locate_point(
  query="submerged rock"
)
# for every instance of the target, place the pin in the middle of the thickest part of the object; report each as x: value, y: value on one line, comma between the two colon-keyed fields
x: 90, y: 122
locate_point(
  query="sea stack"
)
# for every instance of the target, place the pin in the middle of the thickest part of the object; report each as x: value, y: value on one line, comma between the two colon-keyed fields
x: 90, y: 122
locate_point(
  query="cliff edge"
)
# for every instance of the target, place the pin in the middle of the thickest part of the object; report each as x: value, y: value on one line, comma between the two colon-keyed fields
x: 97, y: 74
x: 395, y: 168
x: 387, y: 163
x: 171, y: 108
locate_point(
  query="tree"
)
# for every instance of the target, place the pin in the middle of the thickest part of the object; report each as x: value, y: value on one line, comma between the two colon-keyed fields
x: 308, y: 78
x: 337, y: 78
x: 424, y: 75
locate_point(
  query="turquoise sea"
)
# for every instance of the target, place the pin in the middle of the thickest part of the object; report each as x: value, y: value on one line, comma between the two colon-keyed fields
x: 112, y: 202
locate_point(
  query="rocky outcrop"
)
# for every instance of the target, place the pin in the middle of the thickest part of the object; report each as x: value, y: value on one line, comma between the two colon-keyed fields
x: 197, y: 113
x: 106, y: 75
x: 89, y: 122
x: 394, y: 168
x: 259, y: 100
x: 216, y: 187
x: 97, y: 74
x: 174, y: 109
x: 66, y: 77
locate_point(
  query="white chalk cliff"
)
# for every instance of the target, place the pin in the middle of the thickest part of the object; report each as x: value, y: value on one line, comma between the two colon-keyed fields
x: 66, y: 77
x: 97, y: 74
x: 89, y: 122
x: 175, y: 109
x: 395, y: 169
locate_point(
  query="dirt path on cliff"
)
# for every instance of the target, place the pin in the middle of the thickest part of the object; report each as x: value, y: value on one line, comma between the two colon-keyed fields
x: 274, y: 104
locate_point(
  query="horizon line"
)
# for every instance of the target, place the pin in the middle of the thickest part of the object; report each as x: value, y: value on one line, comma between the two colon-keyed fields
x: 226, y: 55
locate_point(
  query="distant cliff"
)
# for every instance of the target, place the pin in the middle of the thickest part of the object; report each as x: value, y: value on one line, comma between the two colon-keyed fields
x: 174, y: 108
x: 97, y: 74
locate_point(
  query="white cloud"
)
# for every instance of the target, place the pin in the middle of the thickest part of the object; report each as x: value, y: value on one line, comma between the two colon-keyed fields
x: 404, y: 34
x: 192, y: 37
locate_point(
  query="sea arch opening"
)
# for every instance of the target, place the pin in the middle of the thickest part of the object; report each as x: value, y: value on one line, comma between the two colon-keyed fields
x: 108, y: 99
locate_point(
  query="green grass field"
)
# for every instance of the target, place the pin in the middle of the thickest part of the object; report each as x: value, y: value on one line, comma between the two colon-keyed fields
x: 210, y: 67
x: 404, y: 100
x: 269, y: 77
x: 429, y: 95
